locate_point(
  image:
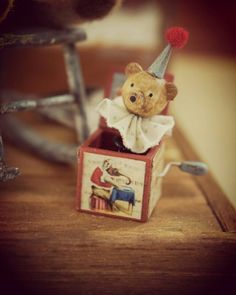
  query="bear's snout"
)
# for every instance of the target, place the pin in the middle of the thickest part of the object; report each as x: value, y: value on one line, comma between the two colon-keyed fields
x: 132, y: 98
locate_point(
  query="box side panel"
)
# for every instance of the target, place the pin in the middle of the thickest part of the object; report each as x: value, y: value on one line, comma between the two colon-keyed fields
x: 147, y: 189
x: 112, y: 185
x: 156, y: 182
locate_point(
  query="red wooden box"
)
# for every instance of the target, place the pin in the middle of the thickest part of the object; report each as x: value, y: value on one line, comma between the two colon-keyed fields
x: 134, y: 200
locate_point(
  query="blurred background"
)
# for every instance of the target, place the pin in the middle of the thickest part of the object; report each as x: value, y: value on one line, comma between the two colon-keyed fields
x: 205, y: 70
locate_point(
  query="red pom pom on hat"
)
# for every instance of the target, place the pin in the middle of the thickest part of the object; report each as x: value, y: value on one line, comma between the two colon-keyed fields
x: 177, y: 37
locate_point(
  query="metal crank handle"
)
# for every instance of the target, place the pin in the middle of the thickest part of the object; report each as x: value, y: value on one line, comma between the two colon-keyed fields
x: 192, y: 167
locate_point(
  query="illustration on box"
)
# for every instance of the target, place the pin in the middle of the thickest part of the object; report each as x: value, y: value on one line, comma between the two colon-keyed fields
x: 122, y: 164
x: 106, y: 186
x: 111, y: 186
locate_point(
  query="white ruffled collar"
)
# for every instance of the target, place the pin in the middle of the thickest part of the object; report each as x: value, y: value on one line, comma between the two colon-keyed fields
x: 138, y: 133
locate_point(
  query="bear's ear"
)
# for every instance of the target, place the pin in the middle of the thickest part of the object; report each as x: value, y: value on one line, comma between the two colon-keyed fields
x: 171, y: 90
x: 133, y: 68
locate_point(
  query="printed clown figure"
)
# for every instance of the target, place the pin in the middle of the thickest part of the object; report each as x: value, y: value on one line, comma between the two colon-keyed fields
x: 136, y: 114
x: 102, y: 180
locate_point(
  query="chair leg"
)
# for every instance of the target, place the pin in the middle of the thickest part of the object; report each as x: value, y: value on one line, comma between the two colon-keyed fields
x: 28, y: 138
x: 6, y: 173
x: 77, y: 88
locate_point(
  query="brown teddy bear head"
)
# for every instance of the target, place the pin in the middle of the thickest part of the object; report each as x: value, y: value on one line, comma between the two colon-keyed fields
x: 144, y: 94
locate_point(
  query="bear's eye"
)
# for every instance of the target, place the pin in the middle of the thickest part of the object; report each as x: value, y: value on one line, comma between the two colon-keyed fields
x: 150, y: 95
x: 132, y: 85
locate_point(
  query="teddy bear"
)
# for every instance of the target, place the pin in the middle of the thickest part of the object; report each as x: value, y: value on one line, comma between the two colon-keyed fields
x: 143, y: 94
x: 136, y: 114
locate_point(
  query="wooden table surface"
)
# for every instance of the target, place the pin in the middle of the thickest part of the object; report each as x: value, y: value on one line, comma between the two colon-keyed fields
x: 46, y: 247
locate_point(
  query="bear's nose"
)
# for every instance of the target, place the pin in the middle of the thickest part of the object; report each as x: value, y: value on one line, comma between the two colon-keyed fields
x: 132, y: 98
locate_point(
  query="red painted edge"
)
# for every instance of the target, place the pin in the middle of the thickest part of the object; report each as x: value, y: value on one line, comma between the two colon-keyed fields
x: 146, y: 191
x: 86, y: 146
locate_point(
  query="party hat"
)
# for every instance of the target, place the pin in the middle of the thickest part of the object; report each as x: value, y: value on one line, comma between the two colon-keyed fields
x: 176, y: 37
